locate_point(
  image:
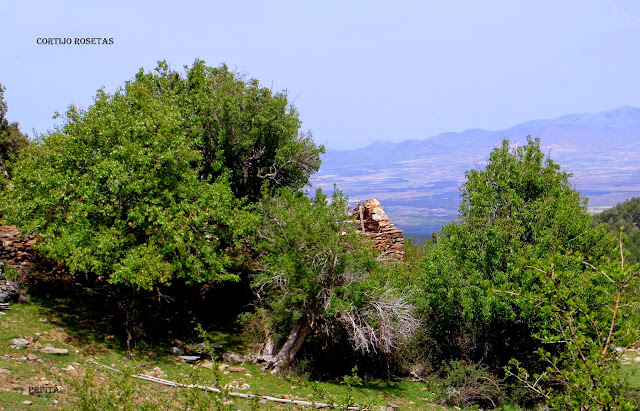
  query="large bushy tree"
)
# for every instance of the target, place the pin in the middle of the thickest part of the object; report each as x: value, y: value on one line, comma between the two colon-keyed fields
x: 147, y: 185
x: 516, y: 211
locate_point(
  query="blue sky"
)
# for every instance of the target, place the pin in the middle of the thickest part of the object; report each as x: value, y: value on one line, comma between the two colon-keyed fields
x: 358, y: 71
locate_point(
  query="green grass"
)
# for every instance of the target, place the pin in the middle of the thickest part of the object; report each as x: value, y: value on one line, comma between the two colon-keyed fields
x: 631, y: 368
x: 64, y: 324
x: 61, y: 324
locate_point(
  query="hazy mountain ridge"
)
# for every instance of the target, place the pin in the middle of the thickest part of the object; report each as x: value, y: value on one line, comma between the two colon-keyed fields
x: 417, y: 181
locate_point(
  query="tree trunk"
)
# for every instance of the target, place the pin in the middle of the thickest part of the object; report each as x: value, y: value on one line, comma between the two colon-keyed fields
x: 269, y: 345
x: 294, y: 342
x: 267, y: 351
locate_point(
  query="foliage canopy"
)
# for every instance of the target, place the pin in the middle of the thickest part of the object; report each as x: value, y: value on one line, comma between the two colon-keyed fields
x: 239, y: 128
x: 588, y: 318
x: 148, y: 184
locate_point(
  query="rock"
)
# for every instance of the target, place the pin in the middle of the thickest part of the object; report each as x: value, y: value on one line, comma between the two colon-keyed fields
x: 417, y: 371
x: 19, y: 343
x: 156, y: 372
x: 238, y: 385
x: 207, y: 364
x: 237, y: 369
x: 211, y: 346
x: 48, y: 349
x: 9, y: 292
x: 69, y: 368
x: 32, y: 357
x: 177, y: 351
x: 15, y: 357
x: 223, y: 367
x: 189, y: 358
x: 637, y: 359
x: 27, y: 402
x: 233, y: 358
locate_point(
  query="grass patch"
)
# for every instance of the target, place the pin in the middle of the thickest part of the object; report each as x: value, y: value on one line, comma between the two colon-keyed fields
x: 79, y: 384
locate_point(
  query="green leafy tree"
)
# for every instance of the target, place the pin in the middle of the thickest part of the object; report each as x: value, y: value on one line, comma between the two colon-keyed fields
x: 588, y: 318
x: 314, y: 272
x: 12, y: 141
x: 147, y: 185
x: 241, y: 129
x: 518, y: 210
x: 113, y: 193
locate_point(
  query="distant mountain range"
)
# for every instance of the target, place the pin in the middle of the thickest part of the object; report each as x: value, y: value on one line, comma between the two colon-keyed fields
x: 417, y: 181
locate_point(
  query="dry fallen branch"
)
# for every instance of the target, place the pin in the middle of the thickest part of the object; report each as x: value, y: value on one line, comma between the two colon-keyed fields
x: 393, y: 314
x: 229, y: 393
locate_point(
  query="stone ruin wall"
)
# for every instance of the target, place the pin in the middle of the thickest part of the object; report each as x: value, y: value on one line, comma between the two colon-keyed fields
x: 373, y: 222
x: 17, y: 250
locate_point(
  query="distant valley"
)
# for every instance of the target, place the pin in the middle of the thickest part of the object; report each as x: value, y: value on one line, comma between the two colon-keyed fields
x: 417, y: 181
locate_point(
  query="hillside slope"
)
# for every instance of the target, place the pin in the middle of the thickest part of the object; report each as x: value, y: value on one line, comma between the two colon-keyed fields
x: 625, y: 215
x: 417, y: 181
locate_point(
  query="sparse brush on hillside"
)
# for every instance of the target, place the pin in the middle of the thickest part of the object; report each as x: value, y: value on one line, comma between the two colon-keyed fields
x: 627, y: 216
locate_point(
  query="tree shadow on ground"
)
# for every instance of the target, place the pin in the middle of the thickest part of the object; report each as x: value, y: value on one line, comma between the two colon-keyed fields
x: 103, y: 313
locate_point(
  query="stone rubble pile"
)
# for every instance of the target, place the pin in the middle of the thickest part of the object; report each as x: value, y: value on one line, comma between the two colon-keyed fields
x: 373, y: 222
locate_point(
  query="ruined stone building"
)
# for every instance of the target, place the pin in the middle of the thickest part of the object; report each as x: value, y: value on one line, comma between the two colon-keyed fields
x: 373, y: 222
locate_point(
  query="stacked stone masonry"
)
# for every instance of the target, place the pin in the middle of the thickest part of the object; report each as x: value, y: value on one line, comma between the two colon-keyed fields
x: 373, y: 222
x: 17, y: 250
